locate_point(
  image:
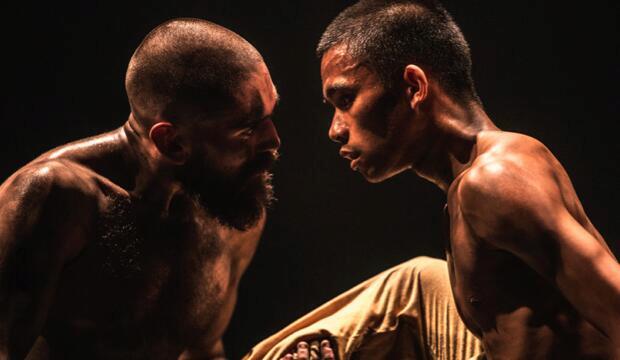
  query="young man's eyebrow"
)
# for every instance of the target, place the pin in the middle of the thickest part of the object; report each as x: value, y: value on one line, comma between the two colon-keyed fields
x: 337, y: 87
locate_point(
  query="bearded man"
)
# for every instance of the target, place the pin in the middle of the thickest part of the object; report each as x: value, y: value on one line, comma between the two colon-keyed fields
x: 131, y: 244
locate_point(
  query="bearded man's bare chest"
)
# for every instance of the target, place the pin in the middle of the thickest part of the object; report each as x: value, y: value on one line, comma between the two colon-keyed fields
x: 140, y: 286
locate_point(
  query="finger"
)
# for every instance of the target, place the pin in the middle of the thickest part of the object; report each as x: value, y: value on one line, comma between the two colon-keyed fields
x: 326, y: 351
x: 315, y: 352
x: 302, y: 351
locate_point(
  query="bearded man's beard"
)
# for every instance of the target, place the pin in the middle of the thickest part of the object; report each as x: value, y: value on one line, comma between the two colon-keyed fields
x: 236, y: 201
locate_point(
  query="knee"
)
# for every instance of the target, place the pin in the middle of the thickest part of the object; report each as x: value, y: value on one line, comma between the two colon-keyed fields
x: 420, y: 270
x: 425, y: 264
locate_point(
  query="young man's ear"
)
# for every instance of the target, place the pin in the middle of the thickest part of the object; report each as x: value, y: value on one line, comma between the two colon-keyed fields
x: 167, y: 140
x: 417, y: 84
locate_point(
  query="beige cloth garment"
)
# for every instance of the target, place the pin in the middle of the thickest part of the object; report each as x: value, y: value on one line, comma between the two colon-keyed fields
x: 406, y: 312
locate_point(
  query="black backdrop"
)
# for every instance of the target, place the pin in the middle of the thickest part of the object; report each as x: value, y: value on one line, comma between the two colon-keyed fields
x: 545, y: 68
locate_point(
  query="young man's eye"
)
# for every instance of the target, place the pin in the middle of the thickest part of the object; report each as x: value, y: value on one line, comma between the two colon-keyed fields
x: 346, y: 101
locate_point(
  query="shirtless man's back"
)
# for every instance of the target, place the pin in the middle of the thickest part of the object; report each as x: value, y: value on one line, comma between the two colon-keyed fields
x: 131, y: 244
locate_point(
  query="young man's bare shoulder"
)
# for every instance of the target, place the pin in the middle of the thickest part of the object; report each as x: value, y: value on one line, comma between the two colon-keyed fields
x: 512, y: 179
x: 504, y: 146
x: 506, y: 161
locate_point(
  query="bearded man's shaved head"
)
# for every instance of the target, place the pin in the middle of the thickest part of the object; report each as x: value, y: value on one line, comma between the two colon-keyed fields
x: 187, y: 69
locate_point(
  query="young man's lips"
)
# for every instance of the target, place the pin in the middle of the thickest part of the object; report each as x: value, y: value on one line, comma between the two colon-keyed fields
x: 349, y: 154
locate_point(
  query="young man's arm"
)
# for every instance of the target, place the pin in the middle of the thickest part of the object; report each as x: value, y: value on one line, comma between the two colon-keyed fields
x: 525, y: 214
x: 37, y: 235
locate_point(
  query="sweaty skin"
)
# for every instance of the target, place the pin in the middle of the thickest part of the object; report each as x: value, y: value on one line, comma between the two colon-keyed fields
x: 527, y: 267
x: 102, y: 259
x: 100, y: 275
x: 531, y: 276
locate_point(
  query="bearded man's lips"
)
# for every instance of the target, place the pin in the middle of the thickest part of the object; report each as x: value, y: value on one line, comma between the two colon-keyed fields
x: 263, y: 163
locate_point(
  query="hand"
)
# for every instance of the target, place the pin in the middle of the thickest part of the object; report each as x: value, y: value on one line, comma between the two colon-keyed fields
x: 314, y: 351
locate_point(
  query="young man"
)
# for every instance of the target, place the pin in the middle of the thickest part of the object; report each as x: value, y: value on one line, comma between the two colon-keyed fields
x: 530, y: 275
x: 131, y: 244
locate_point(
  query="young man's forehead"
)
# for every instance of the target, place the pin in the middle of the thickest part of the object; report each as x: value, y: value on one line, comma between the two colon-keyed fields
x: 338, y: 58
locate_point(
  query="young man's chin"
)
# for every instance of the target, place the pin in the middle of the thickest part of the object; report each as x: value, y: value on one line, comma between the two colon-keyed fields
x: 375, y: 175
x: 371, y: 174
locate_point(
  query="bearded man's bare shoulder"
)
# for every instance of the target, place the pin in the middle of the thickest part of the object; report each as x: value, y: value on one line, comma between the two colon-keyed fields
x: 56, y: 199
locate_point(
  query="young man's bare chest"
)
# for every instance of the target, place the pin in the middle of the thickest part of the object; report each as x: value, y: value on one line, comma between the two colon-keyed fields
x: 486, y: 281
x: 504, y: 301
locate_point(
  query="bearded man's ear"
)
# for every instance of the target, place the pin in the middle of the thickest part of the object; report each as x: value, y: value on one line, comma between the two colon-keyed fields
x: 167, y: 140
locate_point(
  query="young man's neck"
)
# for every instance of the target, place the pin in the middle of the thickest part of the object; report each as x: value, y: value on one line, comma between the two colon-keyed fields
x: 455, y: 145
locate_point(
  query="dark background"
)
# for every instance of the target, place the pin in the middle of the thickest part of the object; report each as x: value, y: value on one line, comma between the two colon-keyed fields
x: 544, y: 68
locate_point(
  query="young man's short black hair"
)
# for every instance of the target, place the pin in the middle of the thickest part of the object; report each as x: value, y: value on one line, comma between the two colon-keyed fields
x: 387, y: 35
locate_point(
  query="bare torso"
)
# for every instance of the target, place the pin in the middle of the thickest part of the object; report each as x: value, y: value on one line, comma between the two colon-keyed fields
x: 141, y: 284
x: 517, y: 313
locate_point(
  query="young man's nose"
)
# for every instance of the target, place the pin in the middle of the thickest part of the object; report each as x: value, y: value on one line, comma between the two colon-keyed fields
x: 339, y: 131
